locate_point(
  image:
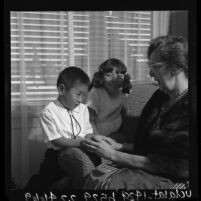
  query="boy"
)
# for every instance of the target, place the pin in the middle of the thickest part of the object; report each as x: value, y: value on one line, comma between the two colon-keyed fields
x: 65, y: 123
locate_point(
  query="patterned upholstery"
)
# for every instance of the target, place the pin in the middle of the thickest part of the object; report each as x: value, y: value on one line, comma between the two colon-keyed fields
x: 140, y: 94
x: 135, y: 102
x: 181, y: 185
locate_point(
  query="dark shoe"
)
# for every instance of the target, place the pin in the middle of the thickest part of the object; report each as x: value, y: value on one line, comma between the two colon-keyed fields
x: 61, y: 185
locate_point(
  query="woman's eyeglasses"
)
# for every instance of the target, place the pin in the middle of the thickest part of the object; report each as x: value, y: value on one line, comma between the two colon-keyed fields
x: 155, y: 65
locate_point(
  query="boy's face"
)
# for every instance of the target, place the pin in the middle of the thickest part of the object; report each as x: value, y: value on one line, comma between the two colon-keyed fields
x: 74, y: 96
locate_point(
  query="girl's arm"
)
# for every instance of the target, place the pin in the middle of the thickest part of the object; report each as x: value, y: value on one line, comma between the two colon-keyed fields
x: 92, y: 117
x: 124, y: 111
x: 93, y: 107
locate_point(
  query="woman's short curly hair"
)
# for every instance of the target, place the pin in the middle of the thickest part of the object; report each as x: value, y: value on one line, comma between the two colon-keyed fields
x: 108, y: 66
x: 173, y: 50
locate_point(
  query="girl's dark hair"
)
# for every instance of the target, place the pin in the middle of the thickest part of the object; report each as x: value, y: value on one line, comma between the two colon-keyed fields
x: 173, y: 50
x: 70, y: 75
x: 108, y: 66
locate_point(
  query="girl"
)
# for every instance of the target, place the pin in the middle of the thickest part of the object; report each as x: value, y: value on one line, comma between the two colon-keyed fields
x: 105, y: 101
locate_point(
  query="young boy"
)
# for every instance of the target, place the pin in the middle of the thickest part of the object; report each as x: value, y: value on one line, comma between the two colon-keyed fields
x: 65, y: 123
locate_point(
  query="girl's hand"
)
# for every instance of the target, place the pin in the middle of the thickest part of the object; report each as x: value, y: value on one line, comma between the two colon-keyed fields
x: 100, y: 147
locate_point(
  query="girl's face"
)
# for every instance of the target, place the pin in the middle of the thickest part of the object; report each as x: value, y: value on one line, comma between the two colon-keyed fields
x: 160, y: 73
x: 114, y: 78
x: 73, y: 97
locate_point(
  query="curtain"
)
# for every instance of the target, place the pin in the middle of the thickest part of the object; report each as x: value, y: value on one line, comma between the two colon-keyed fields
x: 43, y: 43
x: 161, y: 20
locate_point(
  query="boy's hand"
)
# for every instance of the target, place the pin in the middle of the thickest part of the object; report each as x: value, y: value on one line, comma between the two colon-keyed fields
x: 89, y: 136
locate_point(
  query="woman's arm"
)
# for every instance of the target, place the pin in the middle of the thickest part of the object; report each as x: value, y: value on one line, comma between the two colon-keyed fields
x: 169, y: 157
x: 119, y: 146
x: 115, y: 145
x: 127, y: 147
x: 105, y: 150
x: 133, y: 161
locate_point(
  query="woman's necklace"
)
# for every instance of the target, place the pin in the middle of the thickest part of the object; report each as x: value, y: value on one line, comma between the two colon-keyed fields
x: 168, y: 104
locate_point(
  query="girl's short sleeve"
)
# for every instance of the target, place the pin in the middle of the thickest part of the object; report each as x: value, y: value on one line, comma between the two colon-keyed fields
x: 93, y: 100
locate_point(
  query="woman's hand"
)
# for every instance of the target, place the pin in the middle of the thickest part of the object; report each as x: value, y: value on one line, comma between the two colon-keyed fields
x: 115, y: 145
x: 97, y: 138
x: 100, y: 147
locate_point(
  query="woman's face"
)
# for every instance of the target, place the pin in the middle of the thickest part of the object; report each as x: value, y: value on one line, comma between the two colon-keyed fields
x: 160, y: 73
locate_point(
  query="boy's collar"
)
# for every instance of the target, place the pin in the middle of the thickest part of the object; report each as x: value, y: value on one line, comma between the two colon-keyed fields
x: 77, y: 109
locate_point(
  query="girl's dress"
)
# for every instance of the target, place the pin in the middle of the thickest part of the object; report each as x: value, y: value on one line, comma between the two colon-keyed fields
x: 108, y: 110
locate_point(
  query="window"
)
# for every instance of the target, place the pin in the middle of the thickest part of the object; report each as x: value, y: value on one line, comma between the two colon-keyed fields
x: 39, y: 49
x: 42, y: 43
x: 121, y: 34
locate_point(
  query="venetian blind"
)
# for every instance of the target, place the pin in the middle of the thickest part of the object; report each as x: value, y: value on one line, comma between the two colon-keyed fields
x: 42, y: 43
x: 121, y: 34
x: 39, y: 50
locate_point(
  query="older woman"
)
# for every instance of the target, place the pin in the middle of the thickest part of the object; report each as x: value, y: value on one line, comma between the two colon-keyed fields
x: 159, y: 157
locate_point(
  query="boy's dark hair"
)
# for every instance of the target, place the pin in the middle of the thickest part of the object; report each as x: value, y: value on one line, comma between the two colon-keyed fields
x: 70, y: 75
x: 173, y: 51
x: 108, y: 66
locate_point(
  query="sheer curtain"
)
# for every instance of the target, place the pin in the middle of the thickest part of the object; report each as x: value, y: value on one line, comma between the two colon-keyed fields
x: 161, y: 20
x: 43, y: 43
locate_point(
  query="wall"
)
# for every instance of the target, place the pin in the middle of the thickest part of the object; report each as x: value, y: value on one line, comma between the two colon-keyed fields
x: 27, y: 149
x: 179, y: 23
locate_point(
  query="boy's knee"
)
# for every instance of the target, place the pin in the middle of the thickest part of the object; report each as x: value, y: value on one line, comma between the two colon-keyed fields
x: 75, y: 162
x: 69, y: 153
x: 67, y: 158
